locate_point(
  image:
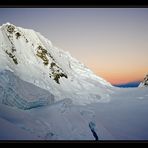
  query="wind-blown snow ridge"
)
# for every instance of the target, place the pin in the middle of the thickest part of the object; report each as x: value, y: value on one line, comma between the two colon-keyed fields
x: 33, y: 58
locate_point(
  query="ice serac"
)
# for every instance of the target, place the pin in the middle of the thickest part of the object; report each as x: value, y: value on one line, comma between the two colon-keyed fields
x: 18, y: 93
x: 32, y: 58
x: 144, y: 83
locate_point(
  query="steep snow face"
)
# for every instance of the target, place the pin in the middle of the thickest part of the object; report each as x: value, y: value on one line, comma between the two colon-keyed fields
x: 34, y: 59
x: 144, y: 82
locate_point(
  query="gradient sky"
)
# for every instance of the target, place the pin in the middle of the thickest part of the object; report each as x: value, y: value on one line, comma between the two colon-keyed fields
x: 112, y: 42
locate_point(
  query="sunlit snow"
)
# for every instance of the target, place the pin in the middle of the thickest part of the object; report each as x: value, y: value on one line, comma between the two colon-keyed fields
x: 67, y: 102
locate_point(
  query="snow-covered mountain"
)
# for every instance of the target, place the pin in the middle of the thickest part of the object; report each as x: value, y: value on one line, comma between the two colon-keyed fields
x: 45, y: 94
x: 33, y: 59
x: 144, y: 83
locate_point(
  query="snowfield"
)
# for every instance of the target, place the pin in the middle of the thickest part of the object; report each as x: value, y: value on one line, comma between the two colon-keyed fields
x: 46, y: 94
x: 123, y: 118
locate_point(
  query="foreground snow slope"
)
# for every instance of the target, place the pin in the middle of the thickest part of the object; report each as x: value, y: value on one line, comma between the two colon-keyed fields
x: 34, y: 59
x: 126, y: 115
x: 123, y: 118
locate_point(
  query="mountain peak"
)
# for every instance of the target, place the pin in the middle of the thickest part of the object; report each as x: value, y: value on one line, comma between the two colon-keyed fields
x: 8, y: 24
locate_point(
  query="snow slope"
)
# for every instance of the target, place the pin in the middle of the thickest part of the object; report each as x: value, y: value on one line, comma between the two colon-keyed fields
x: 123, y: 118
x: 33, y: 58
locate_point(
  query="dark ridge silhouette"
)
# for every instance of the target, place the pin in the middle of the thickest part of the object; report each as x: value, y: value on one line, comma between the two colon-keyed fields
x: 130, y: 84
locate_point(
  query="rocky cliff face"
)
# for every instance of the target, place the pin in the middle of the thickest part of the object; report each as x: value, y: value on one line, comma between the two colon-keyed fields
x: 144, y: 82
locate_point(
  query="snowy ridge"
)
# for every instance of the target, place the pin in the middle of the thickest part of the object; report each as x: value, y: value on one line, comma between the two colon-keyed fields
x: 34, y: 59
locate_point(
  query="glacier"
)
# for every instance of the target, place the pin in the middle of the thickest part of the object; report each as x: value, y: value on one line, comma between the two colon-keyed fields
x: 46, y: 94
x: 123, y: 118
